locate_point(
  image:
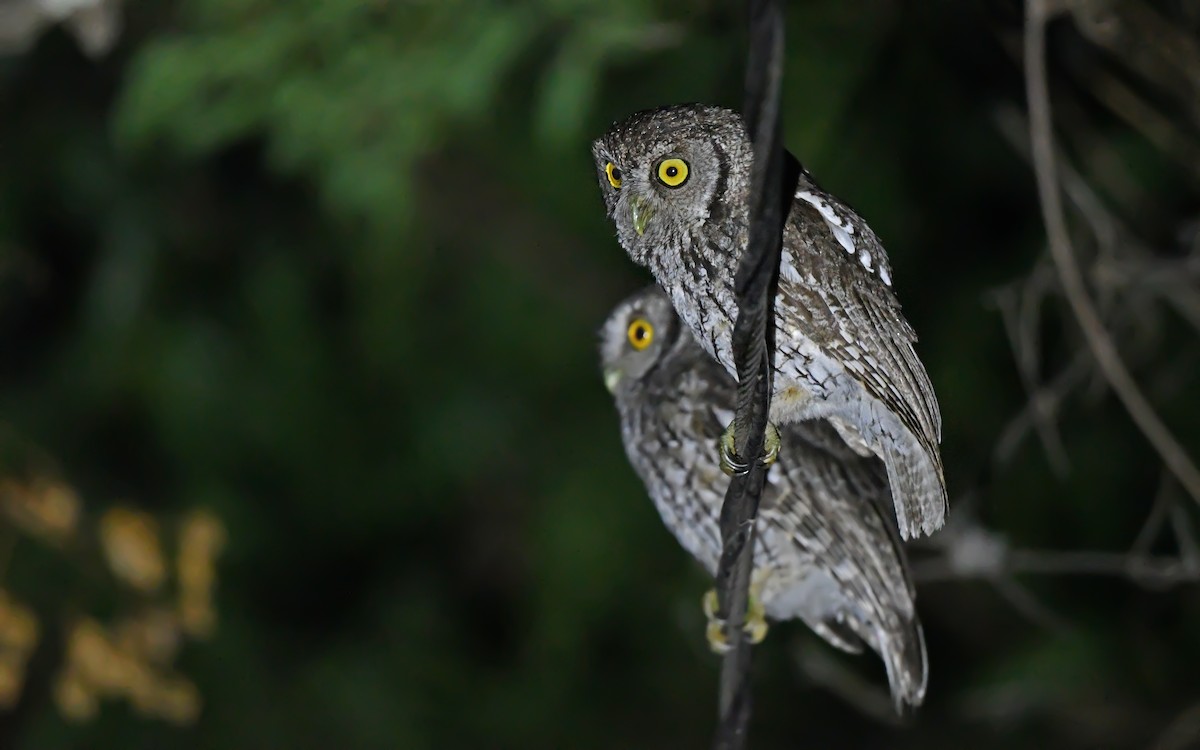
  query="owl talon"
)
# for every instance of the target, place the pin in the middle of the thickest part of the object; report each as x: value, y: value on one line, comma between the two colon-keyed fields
x: 755, y: 626
x: 732, y: 465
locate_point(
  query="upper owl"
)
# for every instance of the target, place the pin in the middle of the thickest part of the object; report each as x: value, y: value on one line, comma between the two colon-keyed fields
x: 676, y: 184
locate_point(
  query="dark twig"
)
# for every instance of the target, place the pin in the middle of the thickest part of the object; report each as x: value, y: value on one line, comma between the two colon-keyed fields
x: 1163, y: 503
x: 753, y: 347
x: 1182, y: 732
x: 1147, y: 570
x: 819, y: 666
x: 1108, y: 359
x: 1028, y: 606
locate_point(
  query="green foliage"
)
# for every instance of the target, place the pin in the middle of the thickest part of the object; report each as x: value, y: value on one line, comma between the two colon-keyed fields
x: 353, y: 94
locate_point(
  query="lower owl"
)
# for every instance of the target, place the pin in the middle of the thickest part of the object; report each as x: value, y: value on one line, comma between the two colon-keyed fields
x: 827, y: 549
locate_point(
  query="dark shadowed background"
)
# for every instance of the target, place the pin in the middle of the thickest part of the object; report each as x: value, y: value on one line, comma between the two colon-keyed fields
x: 329, y: 272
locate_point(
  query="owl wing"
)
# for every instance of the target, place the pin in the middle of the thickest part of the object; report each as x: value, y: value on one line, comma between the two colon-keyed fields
x: 817, y: 503
x: 844, y: 302
x: 843, y: 501
x: 869, y: 334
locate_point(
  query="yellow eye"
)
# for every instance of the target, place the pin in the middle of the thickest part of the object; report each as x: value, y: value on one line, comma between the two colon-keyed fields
x: 641, y: 333
x: 673, y: 172
x: 614, y: 174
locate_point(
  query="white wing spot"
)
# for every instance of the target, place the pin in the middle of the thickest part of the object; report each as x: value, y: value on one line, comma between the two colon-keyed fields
x: 883, y: 274
x: 865, y: 257
x: 842, y: 230
x: 788, y: 271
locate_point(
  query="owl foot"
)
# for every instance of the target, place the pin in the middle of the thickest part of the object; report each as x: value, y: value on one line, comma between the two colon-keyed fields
x: 732, y: 465
x: 755, y: 626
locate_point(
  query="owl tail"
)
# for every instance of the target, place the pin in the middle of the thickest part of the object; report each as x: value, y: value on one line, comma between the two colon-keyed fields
x: 918, y: 487
x: 904, y: 656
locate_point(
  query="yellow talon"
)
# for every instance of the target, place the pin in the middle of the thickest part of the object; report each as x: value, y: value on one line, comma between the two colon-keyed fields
x: 755, y: 626
x: 731, y: 464
x: 756, y: 621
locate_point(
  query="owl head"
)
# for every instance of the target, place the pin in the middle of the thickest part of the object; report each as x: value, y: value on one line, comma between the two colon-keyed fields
x: 639, y: 335
x: 671, y: 171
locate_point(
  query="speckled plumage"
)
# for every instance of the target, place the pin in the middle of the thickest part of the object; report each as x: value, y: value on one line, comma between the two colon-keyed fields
x: 844, y: 351
x: 826, y: 540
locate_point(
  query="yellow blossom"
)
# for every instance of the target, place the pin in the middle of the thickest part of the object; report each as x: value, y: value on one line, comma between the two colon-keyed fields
x: 12, y: 677
x: 196, y: 615
x: 153, y: 634
x: 177, y: 700
x: 76, y: 700
x: 131, y: 545
x: 201, y: 538
x: 93, y: 656
x: 44, y: 507
x: 18, y: 625
x: 201, y: 533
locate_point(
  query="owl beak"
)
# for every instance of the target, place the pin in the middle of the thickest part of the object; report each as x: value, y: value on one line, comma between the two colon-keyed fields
x: 642, y: 213
x: 611, y: 378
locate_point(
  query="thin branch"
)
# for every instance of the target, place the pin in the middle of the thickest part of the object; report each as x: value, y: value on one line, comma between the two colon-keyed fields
x: 822, y: 668
x: 1183, y: 731
x: 1041, y: 403
x: 1154, y: 522
x: 1049, y: 398
x: 969, y: 551
x: 1149, y: 570
x: 753, y: 349
x: 1027, y: 605
x: 1189, y: 550
x: 1103, y: 349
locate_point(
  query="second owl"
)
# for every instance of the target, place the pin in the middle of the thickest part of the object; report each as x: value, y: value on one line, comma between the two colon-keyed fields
x: 827, y: 551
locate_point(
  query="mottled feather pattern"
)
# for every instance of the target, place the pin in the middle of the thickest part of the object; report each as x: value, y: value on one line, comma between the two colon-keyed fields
x: 844, y: 351
x: 826, y: 536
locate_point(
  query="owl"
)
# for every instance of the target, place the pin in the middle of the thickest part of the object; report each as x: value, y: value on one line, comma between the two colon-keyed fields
x: 828, y: 551
x: 676, y: 182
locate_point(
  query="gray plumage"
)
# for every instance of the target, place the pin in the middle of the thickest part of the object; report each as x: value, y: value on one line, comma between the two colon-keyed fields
x: 844, y: 351
x: 827, y: 552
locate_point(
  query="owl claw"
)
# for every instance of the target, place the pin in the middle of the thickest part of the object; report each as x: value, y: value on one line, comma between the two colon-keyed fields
x: 732, y: 465
x: 755, y: 626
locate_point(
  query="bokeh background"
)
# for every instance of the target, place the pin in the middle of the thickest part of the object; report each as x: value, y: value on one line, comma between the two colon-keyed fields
x: 298, y: 382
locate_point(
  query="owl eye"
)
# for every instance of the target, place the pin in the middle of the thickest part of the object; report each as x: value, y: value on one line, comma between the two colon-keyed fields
x: 640, y: 333
x: 672, y: 172
x: 614, y: 174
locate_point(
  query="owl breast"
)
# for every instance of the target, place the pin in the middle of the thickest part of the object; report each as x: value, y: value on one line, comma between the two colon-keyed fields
x: 698, y: 275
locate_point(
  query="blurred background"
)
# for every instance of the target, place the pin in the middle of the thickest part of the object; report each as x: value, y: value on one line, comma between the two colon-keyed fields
x: 302, y: 438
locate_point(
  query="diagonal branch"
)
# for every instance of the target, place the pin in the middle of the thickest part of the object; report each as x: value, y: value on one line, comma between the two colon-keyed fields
x: 1108, y: 359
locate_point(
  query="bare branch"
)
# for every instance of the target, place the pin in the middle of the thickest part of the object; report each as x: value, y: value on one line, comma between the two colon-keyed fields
x: 1156, y: 571
x: 822, y: 668
x: 1020, y: 325
x: 1183, y: 732
x: 1048, y: 398
x: 1103, y: 349
x: 1028, y: 606
x: 1154, y: 521
x: 1184, y: 536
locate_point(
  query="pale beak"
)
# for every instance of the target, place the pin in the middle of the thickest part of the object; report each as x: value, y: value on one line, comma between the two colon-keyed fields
x: 642, y: 213
x: 611, y: 378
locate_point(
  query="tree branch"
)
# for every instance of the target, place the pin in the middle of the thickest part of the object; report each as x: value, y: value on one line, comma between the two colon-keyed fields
x: 1107, y: 358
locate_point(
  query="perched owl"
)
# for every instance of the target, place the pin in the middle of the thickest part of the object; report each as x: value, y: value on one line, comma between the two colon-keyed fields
x: 827, y: 549
x: 676, y: 182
